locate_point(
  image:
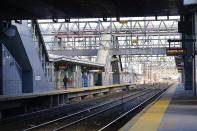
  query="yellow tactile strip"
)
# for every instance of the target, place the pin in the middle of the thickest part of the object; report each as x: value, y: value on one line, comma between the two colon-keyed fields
x: 151, y: 120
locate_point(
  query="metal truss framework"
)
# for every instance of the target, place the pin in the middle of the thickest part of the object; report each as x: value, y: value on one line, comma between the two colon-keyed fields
x: 85, y: 34
x: 160, y: 62
x: 112, y: 51
x: 132, y: 33
x: 158, y: 66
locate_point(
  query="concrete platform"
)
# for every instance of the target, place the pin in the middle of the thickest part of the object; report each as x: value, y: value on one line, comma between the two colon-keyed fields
x: 27, y: 103
x: 59, y: 92
x: 175, y: 111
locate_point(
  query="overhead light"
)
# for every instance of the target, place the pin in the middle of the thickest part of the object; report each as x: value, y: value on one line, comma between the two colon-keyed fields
x: 168, y: 17
x: 67, y: 20
x: 94, y: 71
x: 104, y: 19
x: 189, y: 2
x: 18, y: 21
x: 156, y: 18
x: 55, y: 20
x: 117, y: 18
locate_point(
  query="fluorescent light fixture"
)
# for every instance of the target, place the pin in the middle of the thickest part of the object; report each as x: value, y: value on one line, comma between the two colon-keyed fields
x: 189, y: 2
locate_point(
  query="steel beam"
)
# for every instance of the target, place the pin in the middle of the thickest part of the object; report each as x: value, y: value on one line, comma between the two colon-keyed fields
x: 122, y: 51
x: 139, y: 51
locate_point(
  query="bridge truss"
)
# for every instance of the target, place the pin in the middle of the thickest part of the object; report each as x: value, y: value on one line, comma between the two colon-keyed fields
x: 83, y: 35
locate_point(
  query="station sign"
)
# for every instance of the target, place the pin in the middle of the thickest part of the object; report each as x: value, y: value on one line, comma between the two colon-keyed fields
x: 175, y: 52
x: 61, y: 66
x: 123, y: 22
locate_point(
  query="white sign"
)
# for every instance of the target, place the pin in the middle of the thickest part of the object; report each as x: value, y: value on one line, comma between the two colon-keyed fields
x: 190, y: 2
x: 38, y: 78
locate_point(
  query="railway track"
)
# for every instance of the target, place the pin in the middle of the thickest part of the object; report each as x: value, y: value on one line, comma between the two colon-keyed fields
x: 75, y: 120
x: 125, y: 117
x: 36, y: 118
x: 108, y: 119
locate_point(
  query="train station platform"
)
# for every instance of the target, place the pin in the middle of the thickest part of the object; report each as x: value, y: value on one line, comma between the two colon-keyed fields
x: 65, y: 91
x: 46, y: 100
x: 176, y: 110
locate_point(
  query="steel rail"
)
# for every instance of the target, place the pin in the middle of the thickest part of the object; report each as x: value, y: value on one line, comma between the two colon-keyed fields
x: 80, y: 112
x: 133, y: 109
x: 97, y: 113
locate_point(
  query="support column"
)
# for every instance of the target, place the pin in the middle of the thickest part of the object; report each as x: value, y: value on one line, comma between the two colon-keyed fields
x: 188, y: 47
x: 195, y: 50
x: 77, y: 76
x: 182, y: 77
x: 115, y: 70
x: 91, y: 79
x: 188, y: 60
x: 103, y: 57
x: 58, y: 80
x: 0, y: 115
x: 1, y: 69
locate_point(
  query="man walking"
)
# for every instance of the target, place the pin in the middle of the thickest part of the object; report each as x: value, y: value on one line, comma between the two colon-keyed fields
x: 65, y: 80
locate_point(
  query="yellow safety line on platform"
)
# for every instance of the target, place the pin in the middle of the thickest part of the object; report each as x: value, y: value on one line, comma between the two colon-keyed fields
x: 151, y: 120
